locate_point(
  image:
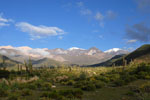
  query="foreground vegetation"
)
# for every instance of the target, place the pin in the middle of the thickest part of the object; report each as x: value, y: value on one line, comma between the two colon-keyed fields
x: 130, y: 82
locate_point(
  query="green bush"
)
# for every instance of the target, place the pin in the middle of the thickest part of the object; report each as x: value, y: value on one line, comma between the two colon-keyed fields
x: 45, y: 94
x: 119, y: 82
x: 130, y: 93
x: 89, y: 87
x: 19, y: 86
x: 70, y: 82
x: 46, y: 86
x: 3, y: 89
x: 103, y: 78
x: 55, y: 95
x: 4, y: 74
x: 83, y: 76
x: 80, y: 84
x: 26, y: 92
x: 38, y: 83
x: 13, y: 97
x: 78, y: 93
x: 145, y: 87
x: 3, y: 92
x: 99, y: 84
x: 135, y: 89
x: 31, y: 86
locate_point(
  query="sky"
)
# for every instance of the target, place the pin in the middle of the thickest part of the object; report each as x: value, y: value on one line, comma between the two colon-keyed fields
x: 104, y: 24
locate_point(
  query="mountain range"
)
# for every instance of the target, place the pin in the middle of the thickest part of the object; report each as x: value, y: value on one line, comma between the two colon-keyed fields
x: 58, y: 56
x: 141, y: 54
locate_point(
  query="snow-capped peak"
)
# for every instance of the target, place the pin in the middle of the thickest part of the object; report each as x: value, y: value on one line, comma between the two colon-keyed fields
x: 113, y: 50
x: 75, y: 48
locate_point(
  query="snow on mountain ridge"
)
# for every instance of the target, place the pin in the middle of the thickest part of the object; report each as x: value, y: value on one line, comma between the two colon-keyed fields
x: 113, y: 50
x: 75, y: 48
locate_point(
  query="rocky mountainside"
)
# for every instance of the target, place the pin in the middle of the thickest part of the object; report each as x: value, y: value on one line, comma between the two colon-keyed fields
x: 72, y: 55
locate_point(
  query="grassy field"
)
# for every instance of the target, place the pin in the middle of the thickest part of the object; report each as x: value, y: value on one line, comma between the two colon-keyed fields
x: 130, y: 82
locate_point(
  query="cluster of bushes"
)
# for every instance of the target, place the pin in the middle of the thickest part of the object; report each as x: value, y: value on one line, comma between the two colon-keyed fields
x: 89, y: 85
x: 123, y: 77
x: 4, y: 89
x: 4, y: 74
x: 140, y: 92
x: 63, y: 94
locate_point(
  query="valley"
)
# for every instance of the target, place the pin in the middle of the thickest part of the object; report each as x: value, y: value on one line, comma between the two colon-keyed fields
x: 43, y: 80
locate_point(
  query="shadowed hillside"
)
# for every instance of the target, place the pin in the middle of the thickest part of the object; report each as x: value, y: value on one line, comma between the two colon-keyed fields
x: 7, y: 62
x: 139, y: 55
x: 46, y: 62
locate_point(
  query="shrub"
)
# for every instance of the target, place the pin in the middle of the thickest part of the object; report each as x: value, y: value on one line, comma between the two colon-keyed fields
x: 78, y: 93
x: 142, y: 74
x: 80, y: 84
x: 38, y: 83
x: 3, y: 85
x: 89, y: 87
x: 26, y: 92
x: 3, y: 89
x: 83, y: 76
x: 103, y: 78
x: 46, y: 86
x: 119, y: 82
x: 99, y: 84
x: 145, y: 87
x: 4, y: 74
x: 3, y: 92
x: 55, y: 95
x: 135, y: 89
x: 70, y: 82
x: 19, y: 86
x: 31, y: 86
x: 45, y: 94
x: 13, y: 97
x: 130, y: 93
x: 67, y: 93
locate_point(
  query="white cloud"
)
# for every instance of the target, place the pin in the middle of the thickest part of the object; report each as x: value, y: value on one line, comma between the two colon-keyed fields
x: 60, y: 37
x: 99, y: 16
x: 4, y: 21
x: 83, y: 9
x: 3, y: 24
x: 131, y: 41
x: 37, y: 32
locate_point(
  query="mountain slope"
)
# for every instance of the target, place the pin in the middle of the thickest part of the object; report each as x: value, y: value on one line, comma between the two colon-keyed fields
x: 139, y: 55
x: 8, y: 62
x: 46, y: 62
x: 109, y: 62
x: 72, y: 55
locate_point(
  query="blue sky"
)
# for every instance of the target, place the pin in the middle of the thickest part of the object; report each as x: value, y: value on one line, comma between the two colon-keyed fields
x: 104, y: 24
